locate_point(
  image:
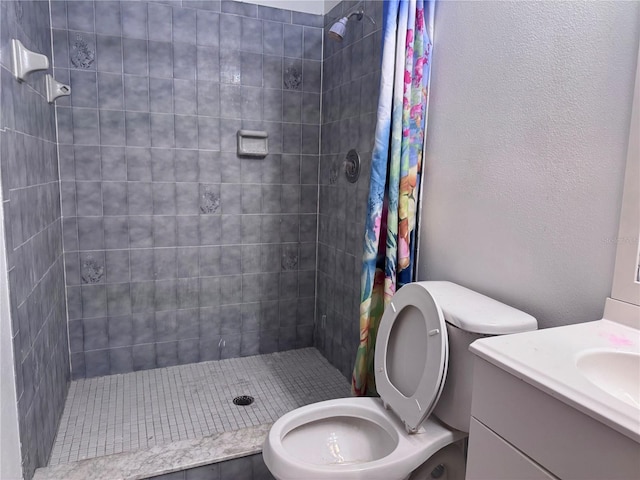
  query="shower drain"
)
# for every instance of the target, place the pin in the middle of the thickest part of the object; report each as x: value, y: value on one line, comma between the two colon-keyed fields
x: 243, y: 400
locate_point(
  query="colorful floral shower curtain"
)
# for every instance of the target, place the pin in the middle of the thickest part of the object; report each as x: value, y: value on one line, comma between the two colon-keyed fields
x: 388, y: 259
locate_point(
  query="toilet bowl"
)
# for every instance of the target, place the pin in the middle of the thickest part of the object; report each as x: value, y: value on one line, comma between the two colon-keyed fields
x: 350, y: 438
x: 396, y: 436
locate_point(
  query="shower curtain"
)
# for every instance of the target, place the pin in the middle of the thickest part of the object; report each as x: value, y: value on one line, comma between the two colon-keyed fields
x: 389, y: 243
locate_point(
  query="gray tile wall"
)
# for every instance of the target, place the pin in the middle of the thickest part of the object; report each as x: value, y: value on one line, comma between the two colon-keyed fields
x: 177, y: 251
x: 33, y: 230
x: 349, y: 101
x: 251, y: 467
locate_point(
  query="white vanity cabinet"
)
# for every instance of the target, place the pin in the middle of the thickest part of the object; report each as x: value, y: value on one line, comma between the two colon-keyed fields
x: 519, y: 432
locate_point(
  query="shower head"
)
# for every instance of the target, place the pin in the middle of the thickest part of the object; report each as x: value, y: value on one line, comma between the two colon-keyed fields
x: 339, y: 29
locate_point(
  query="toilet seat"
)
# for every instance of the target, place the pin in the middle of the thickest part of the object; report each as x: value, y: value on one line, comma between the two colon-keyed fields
x: 312, y: 453
x: 411, y: 355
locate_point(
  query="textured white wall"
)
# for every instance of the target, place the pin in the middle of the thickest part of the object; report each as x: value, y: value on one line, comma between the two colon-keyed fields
x: 528, y: 128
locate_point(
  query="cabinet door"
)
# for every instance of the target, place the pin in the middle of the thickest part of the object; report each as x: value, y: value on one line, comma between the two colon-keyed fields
x: 491, y: 458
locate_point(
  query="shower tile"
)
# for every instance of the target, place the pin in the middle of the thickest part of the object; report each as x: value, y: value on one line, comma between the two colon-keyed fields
x: 188, y: 263
x: 162, y: 130
x: 310, y: 108
x: 142, y: 265
x: 188, y: 231
x: 159, y: 21
x: 165, y: 299
x: 119, y: 328
x: 142, y: 328
x: 84, y: 85
x: 272, y: 71
x: 160, y: 59
x: 116, y: 232
x: 120, y: 360
x: 208, y: 99
x: 87, y: 161
x: 113, y: 164
x: 188, y: 319
x: 117, y: 266
x: 85, y: 126
x: 110, y: 91
x: 208, y: 64
x: 112, y: 128
x: 184, y: 61
x: 273, y: 38
x: 144, y: 357
x: 90, y: 233
x: 184, y: 96
x: 272, y: 107
x: 274, y: 14
x: 251, y: 38
x: 187, y: 201
x: 164, y: 263
x: 167, y: 354
x: 184, y: 25
x: 251, y: 228
x: 188, y: 352
x: 293, y: 41
x: 312, y: 43
x: 210, y: 227
x: 164, y: 198
x: 109, y: 53
x: 162, y: 169
x: 209, y: 133
x: 94, y: 304
x: 59, y: 14
x: 251, y: 69
x: 136, y: 93
x: 89, y: 198
x: 186, y: 132
x: 164, y: 231
x: 135, y: 56
x: 291, y: 138
x: 142, y: 296
x: 137, y: 129
x: 140, y: 231
x: 108, y: 13
x: 114, y: 198
x: 289, y: 228
x: 134, y: 19
x: 311, y: 76
x: 307, y: 19
x: 291, y: 106
x: 96, y: 363
x: 207, y: 28
x: 290, y: 165
x: 82, y: 50
x: 161, y: 95
x: 140, y: 198
x: 239, y: 8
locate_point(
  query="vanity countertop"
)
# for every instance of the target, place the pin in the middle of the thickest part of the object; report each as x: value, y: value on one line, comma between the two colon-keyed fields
x: 547, y: 359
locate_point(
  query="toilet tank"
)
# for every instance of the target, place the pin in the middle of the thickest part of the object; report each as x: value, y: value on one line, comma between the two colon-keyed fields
x: 469, y: 316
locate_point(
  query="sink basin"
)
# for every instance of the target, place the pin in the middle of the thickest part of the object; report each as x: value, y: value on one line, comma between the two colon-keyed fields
x: 615, y: 373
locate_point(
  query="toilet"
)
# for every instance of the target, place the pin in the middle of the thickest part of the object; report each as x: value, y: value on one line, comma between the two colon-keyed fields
x: 423, y: 373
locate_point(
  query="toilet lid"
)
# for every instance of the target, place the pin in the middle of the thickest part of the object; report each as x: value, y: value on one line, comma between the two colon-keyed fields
x: 411, y: 354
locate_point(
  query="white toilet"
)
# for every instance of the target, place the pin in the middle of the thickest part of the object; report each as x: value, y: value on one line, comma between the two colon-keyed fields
x: 423, y: 340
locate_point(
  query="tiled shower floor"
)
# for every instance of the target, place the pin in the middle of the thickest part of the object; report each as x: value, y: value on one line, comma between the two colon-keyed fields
x: 133, y: 411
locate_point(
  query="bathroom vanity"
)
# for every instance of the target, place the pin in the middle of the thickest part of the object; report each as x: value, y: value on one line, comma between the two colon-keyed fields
x: 557, y: 403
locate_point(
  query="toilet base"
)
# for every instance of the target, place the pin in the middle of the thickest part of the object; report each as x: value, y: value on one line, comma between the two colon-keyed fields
x: 449, y: 463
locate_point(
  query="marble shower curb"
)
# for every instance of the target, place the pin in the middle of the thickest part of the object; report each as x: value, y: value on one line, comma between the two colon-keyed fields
x: 161, y: 459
